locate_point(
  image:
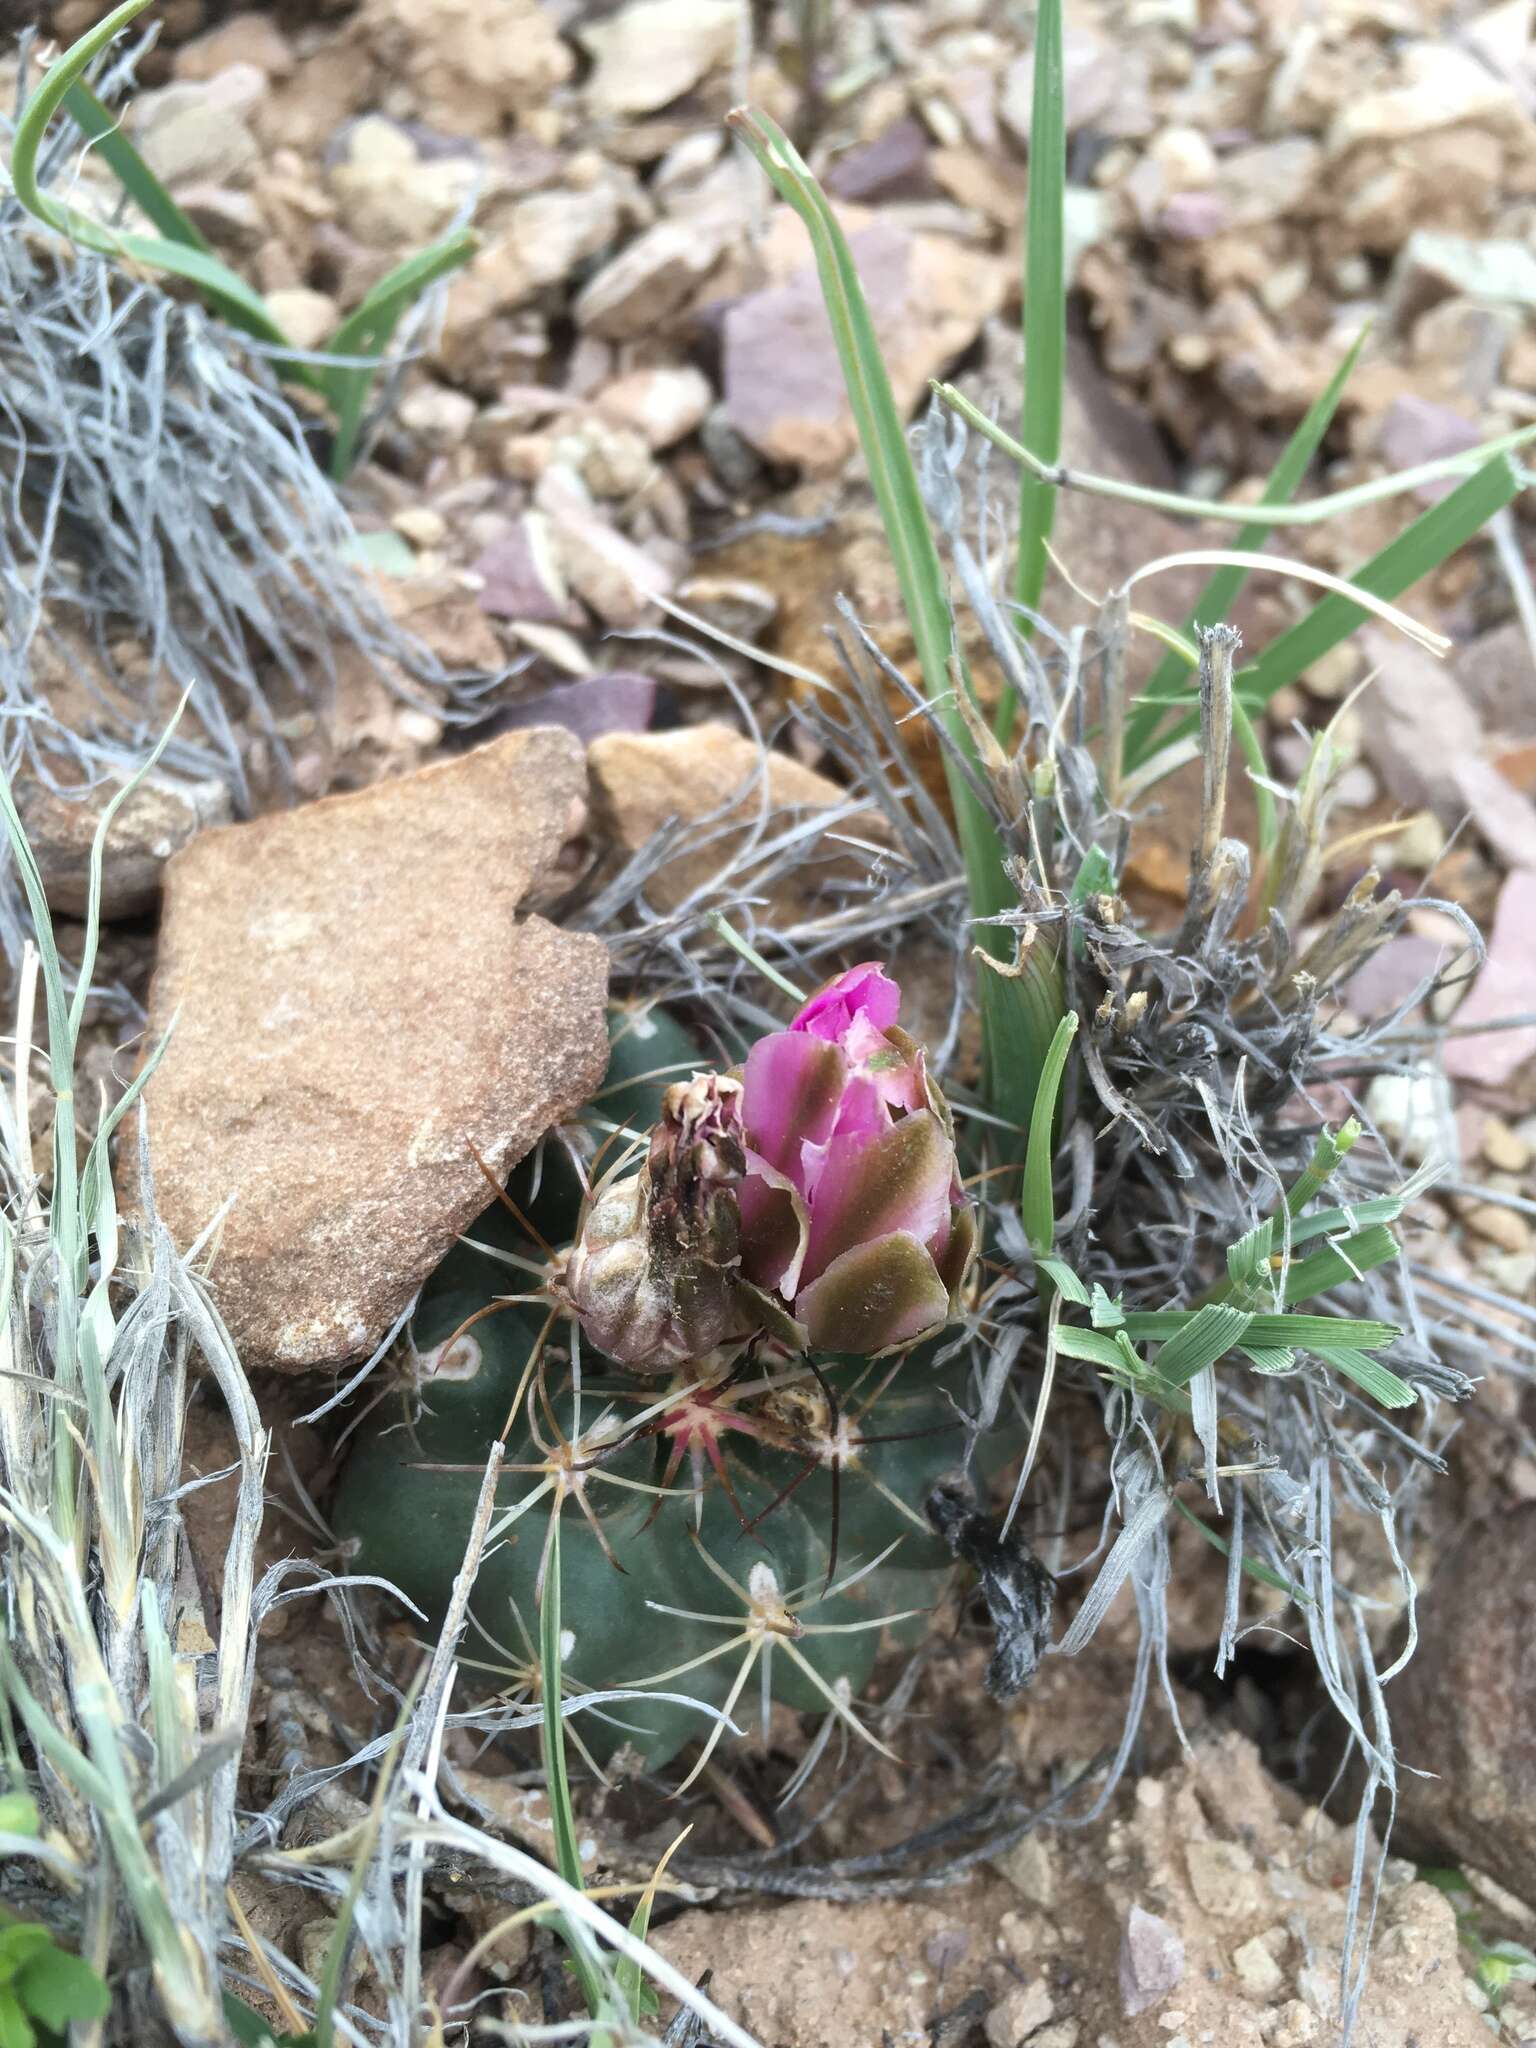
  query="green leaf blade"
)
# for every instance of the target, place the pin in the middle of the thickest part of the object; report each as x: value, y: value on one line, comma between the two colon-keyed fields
x: 58, y: 1988
x: 1336, y: 1264
x: 1018, y: 1018
x: 562, y: 1815
x: 1038, y: 1205
x: 1417, y: 551
x: 1220, y: 593
x: 1207, y: 1336
x: 105, y: 133
x: 1369, y: 1374
x: 368, y: 330
x: 1045, y: 307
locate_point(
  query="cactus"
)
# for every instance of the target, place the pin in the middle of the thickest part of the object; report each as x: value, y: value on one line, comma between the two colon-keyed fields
x: 741, y: 1517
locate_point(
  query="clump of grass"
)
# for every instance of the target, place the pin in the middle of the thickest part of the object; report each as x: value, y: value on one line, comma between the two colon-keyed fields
x: 342, y: 373
x: 131, y: 1774
x: 163, y: 499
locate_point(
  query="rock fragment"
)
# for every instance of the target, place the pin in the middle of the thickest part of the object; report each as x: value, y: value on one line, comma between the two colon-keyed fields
x: 161, y: 815
x: 714, y: 777
x: 784, y: 393
x: 358, y: 1003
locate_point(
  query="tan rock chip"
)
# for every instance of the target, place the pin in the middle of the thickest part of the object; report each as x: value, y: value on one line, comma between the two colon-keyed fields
x: 641, y: 782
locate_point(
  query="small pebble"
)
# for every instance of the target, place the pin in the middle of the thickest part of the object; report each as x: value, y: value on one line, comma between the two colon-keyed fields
x: 1504, y: 1149
x: 1506, y: 1228
x: 420, y: 525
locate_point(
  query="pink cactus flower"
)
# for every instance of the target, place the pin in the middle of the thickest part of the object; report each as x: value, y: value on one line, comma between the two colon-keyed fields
x: 815, y: 1197
x: 852, y: 1212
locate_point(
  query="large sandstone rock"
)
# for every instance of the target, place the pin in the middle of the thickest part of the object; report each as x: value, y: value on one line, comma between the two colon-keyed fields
x: 1465, y: 1708
x: 356, y: 1003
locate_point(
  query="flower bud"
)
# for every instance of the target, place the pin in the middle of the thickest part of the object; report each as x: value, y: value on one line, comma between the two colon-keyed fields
x: 653, y: 1278
x: 852, y: 1212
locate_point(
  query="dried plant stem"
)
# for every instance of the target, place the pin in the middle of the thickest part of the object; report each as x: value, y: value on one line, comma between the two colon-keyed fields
x: 1312, y: 513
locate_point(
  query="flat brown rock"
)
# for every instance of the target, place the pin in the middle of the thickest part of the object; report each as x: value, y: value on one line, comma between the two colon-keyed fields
x: 642, y: 782
x: 784, y: 391
x: 356, y: 1002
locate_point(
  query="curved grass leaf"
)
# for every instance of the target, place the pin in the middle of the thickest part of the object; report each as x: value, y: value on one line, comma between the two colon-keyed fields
x: 1416, y: 553
x: 1038, y: 1205
x: 1209, y: 1334
x: 1045, y: 311
x: 1369, y: 1374
x: 102, y: 128
x: 1338, y: 1263
x: 562, y: 1816
x: 1253, y: 1566
x: 368, y: 330
x: 1018, y: 1017
x: 224, y: 289
x: 1216, y: 600
x: 181, y: 251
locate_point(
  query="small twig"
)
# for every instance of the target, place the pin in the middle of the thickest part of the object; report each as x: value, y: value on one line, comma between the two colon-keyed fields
x: 1310, y: 514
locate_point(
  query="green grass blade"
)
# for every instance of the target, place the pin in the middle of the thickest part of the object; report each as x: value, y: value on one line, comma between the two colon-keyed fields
x: 223, y: 288
x: 1067, y: 1280
x: 1094, y: 1346
x: 1416, y: 553
x: 367, y: 332
x: 1368, y: 1374
x: 98, y: 860
x: 562, y: 1817
x: 1208, y: 1335
x: 1248, y: 1260
x: 1335, y: 1265
x: 1360, y: 1333
x: 1219, y: 595
x: 1253, y: 753
x: 102, y: 128
x: 1329, y: 1151
x: 1358, y: 1216
x: 1119, y: 1358
x: 1253, y: 1566
x: 1018, y: 1017
x: 1269, y: 1357
x: 32, y: 124
x: 1045, y: 311
x: 1268, y: 1332
x: 1038, y: 1205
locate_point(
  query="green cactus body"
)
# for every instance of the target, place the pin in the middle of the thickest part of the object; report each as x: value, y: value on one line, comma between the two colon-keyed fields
x: 749, y: 1550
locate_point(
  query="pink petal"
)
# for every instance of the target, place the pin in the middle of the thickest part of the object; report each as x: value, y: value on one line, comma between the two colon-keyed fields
x: 792, y: 1086
x: 894, y: 1069
x: 775, y: 1227
x: 876, y: 1297
x: 865, y: 991
x: 861, y: 1113
x: 869, y: 1187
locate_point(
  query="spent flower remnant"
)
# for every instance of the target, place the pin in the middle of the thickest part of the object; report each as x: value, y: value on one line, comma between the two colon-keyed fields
x: 814, y: 1196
